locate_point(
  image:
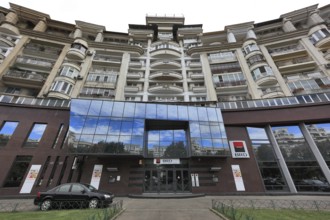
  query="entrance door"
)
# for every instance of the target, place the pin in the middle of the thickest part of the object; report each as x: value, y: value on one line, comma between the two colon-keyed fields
x: 164, y: 180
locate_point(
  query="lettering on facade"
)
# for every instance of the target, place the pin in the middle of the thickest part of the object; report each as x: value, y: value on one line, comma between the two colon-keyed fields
x: 238, y: 149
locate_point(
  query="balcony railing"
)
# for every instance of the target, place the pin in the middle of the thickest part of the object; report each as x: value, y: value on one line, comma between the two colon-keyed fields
x: 35, y: 61
x: 285, y: 50
x: 230, y: 83
x: 294, y: 61
x: 25, y: 75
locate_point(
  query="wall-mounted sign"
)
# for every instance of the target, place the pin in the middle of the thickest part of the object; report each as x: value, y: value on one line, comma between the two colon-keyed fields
x: 166, y: 161
x: 238, y: 149
x: 30, y: 179
x: 96, y: 175
x: 238, y: 177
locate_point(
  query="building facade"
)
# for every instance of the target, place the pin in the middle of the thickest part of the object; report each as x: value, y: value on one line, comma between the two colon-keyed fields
x: 165, y: 107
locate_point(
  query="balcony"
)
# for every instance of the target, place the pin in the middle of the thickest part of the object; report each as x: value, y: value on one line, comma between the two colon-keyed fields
x: 134, y: 75
x: 287, y: 52
x: 324, y: 43
x: 165, y: 50
x: 198, y: 89
x: 78, y: 50
x: 231, y: 86
x: 302, y: 64
x: 107, y: 60
x: 194, y: 64
x: 25, y: 79
x: 46, y: 51
x: 265, y: 79
x: 271, y: 93
x: 8, y: 40
x: 165, y: 88
x: 166, y: 99
x: 35, y: 63
x: 165, y: 75
x: 136, y: 63
x: 132, y: 89
x: 197, y: 76
x: 165, y: 64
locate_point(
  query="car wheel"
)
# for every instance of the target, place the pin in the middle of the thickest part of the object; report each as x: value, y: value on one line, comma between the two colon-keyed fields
x: 46, y: 205
x: 93, y: 203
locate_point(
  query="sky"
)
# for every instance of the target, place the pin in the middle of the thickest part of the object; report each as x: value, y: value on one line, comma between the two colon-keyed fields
x: 212, y: 14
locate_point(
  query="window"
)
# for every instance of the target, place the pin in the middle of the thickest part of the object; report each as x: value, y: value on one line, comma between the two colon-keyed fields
x: 69, y: 71
x: 262, y: 72
x: 61, y: 86
x: 319, y: 35
x: 80, y: 47
x: 250, y: 48
x: 35, y: 135
x: 17, y: 171
x: 6, y: 132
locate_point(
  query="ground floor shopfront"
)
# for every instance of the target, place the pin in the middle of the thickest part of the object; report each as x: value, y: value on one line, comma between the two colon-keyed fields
x: 135, y: 148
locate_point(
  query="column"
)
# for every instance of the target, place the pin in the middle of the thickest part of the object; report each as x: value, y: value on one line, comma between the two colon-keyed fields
x: 231, y: 37
x: 146, y: 74
x: 99, y: 36
x: 9, y: 24
x: 41, y: 26
x: 208, y: 81
x: 251, y: 35
x: 314, y: 18
x: 287, y: 25
x: 281, y: 160
x: 121, y: 83
x: 77, y: 33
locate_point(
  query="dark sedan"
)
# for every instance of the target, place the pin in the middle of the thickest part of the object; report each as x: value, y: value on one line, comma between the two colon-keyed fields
x: 73, y: 195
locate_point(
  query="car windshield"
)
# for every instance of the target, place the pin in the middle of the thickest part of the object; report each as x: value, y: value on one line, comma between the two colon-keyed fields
x: 90, y: 187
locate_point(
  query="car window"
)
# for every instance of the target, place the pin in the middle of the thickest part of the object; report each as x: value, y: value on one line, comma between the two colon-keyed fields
x: 76, y: 188
x: 64, y: 188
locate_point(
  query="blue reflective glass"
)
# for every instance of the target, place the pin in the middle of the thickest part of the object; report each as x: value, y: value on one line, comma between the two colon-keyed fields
x: 129, y: 110
x: 196, y: 144
x: 79, y: 107
x: 183, y: 113
x: 153, y: 144
x: 218, y: 110
x: 37, y: 132
x: 138, y: 141
x: 90, y: 125
x: 114, y: 128
x: 8, y: 128
x: 225, y: 143
x: 95, y: 107
x: 179, y: 135
x: 215, y: 130
x: 151, y: 111
x: 205, y: 130
x: 106, y: 108
x: 102, y: 126
x: 172, y: 112
x: 166, y: 135
x: 192, y: 111
x: 140, y: 110
x: 257, y: 133
x: 125, y: 139
x: 207, y: 143
x: 99, y: 139
x: 153, y: 136
x: 217, y: 143
x: 223, y: 131
x: 161, y: 111
x: 212, y: 114
x: 112, y: 138
x: 194, y: 129
x: 77, y: 123
x: 138, y: 127
x: 126, y: 128
x: 86, y: 140
x: 165, y: 144
x: 202, y: 114
x: 118, y: 108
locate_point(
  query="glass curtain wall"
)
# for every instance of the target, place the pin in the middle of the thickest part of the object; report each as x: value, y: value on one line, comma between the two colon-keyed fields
x: 266, y: 158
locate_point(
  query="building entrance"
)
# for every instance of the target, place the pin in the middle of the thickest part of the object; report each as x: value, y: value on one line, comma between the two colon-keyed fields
x: 167, y: 180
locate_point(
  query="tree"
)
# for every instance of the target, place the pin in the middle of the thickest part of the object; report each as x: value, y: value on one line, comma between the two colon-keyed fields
x: 176, y: 149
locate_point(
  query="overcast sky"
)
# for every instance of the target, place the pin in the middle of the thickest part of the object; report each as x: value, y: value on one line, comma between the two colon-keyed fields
x: 116, y: 15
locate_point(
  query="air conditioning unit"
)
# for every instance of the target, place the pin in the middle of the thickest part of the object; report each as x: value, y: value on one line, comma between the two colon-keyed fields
x: 327, y: 66
x: 89, y: 53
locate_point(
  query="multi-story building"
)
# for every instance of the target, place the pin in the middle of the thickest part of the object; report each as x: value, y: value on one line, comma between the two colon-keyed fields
x: 165, y: 107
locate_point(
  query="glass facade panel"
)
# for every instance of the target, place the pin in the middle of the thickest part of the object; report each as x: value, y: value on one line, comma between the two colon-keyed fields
x: 80, y: 107
x: 299, y: 158
x: 264, y: 153
x: 17, y: 171
x: 130, y: 128
x: 6, y: 132
x: 35, y: 135
x: 321, y: 136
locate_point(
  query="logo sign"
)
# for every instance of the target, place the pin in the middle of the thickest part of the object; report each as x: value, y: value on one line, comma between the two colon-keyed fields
x: 166, y: 161
x: 239, y: 149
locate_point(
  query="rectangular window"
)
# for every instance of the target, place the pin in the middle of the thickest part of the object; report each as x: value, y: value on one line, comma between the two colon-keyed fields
x: 17, y: 171
x: 35, y: 135
x: 58, y: 135
x: 6, y: 132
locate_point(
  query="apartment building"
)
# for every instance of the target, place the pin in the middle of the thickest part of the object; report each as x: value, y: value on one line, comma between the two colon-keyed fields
x: 165, y: 107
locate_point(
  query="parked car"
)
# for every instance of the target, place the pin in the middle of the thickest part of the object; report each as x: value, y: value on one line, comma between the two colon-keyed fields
x: 73, y: 195
x: 312, y: 185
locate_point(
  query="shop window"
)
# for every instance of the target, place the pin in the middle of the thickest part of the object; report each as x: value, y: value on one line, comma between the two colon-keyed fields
x: 17, y: 171
x: 35, y: 135
x: 6, y: 132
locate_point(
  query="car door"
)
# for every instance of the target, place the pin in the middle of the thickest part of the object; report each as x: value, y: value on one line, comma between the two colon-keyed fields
x: 62, y: 195
x: 79, y: 194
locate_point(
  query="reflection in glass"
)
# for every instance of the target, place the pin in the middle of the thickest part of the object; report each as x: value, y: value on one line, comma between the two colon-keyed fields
x: 90, y: 125
x: 138, y: 127
x: 183, y: 113
x: 35, y: 135
x: 106, y: 109
x: 95, y: 107
x: 77, y: 123
x: 172, y: 112
x: 151, y: 111
x: 6, y: 132
x: 102, y: 126
x: 126, y: 128
x: 115, y: 125
x: 129, y: 110
x: 299, y: 158
x: 140, y: 110
x: 202, y: 114
x: 192, y: 111
x: 268, y: 165
x: 194, y: 129
x: 161, y: 111
x: 212, y: 114
x: 79, y: 107
x: 321, y: 136
x: 118, y: 108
